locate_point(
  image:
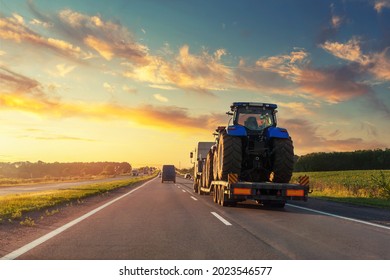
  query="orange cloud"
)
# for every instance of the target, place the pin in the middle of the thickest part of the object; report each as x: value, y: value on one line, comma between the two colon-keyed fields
x: 23, y: 94
x: 350, y: 51
x: 381, y: 4
x: 107, y: 38
x: 103, y: 48
x: 332, y: 84
x: 14, y: 28
x: 171, y: 117
x: 377, y: 64
x: 307, y: 139
x: 202, y: 73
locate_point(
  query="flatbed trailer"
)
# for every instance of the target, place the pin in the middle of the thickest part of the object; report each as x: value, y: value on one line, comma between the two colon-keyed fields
x: 227, y: 193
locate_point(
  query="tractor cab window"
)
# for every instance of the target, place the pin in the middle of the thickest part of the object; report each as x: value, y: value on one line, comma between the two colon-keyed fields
x: 254, y: 118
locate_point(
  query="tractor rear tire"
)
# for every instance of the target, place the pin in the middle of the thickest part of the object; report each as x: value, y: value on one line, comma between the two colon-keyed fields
x: 229, y: 156
x: 282, y: 158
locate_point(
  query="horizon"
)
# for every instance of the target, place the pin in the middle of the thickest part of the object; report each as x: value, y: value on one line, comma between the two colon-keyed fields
x: 144, y: 81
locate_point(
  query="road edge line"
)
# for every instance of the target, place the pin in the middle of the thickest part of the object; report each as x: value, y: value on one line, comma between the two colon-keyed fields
x: 24, y: 249
x: 340, y: 217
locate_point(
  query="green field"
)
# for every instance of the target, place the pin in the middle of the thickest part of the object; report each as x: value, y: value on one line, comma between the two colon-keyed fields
x: 363, y: 187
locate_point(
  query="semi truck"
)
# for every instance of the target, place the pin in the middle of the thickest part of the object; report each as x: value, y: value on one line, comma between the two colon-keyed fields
x: 251, y: 159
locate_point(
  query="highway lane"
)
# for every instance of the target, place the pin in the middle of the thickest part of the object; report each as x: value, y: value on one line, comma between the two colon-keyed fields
x: 55, y: 186
x: 168, y: 221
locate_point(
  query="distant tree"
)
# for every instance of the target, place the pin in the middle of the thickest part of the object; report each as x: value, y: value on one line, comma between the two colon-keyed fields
x: 357, y: 160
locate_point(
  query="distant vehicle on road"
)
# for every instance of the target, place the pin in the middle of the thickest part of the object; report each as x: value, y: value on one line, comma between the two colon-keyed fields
x: 187, y: 176
x: 168, y: 173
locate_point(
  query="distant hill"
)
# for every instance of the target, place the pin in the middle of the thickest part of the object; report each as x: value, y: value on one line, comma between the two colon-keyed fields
x: 357, y: 160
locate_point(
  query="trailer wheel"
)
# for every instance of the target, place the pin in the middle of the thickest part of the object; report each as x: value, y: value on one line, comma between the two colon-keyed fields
x: 208, y: 172
x: 219, y: 194
x: 200, y: 184
x: 215, y: 194
x: 222, y: 198
x: 229, y: 156
x: 214, y: 172
x: 282, y: 158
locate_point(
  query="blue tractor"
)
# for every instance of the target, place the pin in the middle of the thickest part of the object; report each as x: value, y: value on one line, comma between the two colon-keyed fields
x: 251, y: 146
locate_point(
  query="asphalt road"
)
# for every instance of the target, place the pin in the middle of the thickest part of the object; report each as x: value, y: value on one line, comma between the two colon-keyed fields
x: 168, y: 221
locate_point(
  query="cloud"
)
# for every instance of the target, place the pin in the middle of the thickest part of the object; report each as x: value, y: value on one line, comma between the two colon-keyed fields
x: 14, y: 29
x: 107, y: 38
x: 20, y: 93
x: 110, y: 88
x: 201, y: 73
x: 160, y: 98
x: 305, y: 134
x: 264, y: 76
x: 334, y: 84
x: 379, y: 5
x: 62, y: 69
x: 377, y: 64
x: 129, y: 89
x: 165, y: 87
x: 349, y: 51
x: 13, y: 82
x: 110, y: 40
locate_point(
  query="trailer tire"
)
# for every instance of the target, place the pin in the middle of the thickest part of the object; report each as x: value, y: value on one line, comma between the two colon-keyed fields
x: 215, y: 194
x: 214, y: 172
x: 208, y: 172
x: 229, y: 156
x: 222, y: 198
x: 282, y: 159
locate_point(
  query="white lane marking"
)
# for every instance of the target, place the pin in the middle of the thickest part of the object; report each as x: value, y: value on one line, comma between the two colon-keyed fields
x: 13, y: 255
x: 340, y: 217
x: 193, y: 198
x: 221, y: 219
x: 183, y: 190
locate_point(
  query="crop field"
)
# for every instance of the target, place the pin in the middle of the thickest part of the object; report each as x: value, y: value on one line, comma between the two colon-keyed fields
x: 366, y: 187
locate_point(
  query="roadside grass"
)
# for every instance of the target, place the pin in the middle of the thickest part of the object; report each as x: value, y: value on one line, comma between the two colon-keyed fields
x: 361, y: 187
x: 7, y: 182
x: 14, y: 207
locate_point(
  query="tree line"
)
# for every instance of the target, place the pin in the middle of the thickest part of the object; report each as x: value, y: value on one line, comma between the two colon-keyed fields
x: 40, y: 169
x: 338, y: 161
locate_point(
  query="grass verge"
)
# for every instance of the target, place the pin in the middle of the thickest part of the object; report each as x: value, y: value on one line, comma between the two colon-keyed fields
x: 13, y: 207
x: 360, y: 187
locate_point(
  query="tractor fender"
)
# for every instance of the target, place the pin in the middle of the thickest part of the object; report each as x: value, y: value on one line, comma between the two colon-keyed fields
x: 236, y: 130
x: 277, y: 132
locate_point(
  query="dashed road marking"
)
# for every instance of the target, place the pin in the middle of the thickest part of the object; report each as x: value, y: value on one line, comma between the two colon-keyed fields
x: 221, y: 219
x: 194, y: 198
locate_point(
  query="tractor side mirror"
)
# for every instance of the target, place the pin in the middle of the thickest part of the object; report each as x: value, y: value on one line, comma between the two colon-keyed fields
x: 191, y: 155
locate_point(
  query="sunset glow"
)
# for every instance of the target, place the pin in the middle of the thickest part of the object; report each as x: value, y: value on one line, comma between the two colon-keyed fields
x: 144, y: 81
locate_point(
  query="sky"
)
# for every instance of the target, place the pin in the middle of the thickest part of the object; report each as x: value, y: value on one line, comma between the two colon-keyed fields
x: 144, y: 81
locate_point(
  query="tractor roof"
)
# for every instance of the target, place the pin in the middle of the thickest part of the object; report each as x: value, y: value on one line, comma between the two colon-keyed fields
x: 253, y: 104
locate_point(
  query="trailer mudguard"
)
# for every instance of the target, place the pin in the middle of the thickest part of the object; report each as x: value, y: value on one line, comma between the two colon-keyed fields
x: 277, y: 132
x: 236, y: 130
